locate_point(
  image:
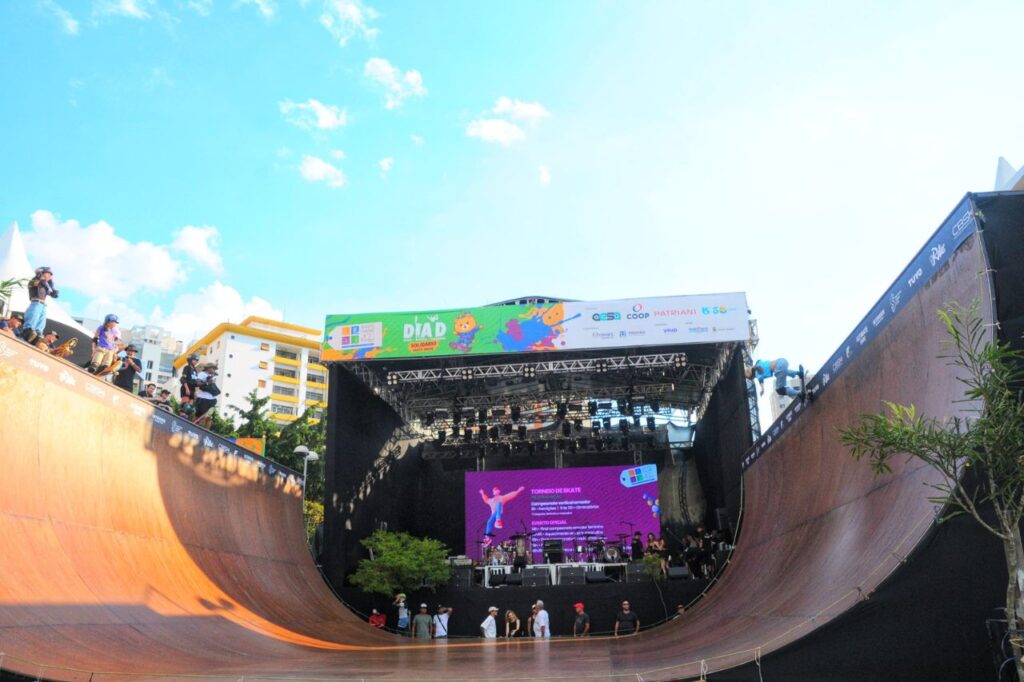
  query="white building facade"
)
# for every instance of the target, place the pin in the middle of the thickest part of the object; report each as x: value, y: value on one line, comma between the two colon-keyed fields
x: 279, y: 360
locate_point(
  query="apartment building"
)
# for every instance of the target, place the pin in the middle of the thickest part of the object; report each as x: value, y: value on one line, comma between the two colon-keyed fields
x: 277, y: 359
x: 157, y: 350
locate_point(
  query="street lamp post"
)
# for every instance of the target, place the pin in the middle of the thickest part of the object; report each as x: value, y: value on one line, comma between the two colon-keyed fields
x: 307, y: 457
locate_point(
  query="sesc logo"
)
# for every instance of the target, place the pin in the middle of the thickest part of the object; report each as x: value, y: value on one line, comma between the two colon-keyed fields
x: 607, y: 317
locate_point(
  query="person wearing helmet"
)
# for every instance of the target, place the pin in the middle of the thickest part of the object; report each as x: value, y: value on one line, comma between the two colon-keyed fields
x: 39, y: 287
x: 129, y: 368
x: 105, y: 344
x: 190, y: 376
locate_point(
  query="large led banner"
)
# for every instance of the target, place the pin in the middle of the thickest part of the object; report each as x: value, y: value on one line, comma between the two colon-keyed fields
x: 585, y: 325
x: 568, y: 505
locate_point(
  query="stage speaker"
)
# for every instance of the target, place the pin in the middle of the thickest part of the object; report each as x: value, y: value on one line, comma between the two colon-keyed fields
x: 462, y: 578
x: 536, y: 577
x: 497, y: 578
x: 554, y: 552
x: 514, y: 579
x: 635, y: 573
x: 597, y: 577
x: 572, y: 575
x: 678, y: 572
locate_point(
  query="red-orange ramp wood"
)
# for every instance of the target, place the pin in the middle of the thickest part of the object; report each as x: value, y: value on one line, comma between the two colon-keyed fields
x: 131, y: 550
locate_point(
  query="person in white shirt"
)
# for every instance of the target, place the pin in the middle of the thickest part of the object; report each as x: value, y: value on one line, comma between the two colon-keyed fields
x: 541, y: 624
x: 441, y: 621
x: 489, y: 627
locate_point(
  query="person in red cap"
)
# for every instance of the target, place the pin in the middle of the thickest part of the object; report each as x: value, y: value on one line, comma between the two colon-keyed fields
x: 580, y: 626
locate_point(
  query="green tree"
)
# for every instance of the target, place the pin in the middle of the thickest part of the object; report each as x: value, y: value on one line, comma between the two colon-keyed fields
x: 314, y: 514
x: 222, y: 426
x: 254, y: 420
x: 8, y: 287
x: 401, y: 562
x: 989, y: 441
x: 281, y: 449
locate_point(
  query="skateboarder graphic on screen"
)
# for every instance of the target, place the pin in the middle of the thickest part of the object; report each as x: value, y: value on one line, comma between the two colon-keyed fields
x: 497, y: 503
x: 779, y: 369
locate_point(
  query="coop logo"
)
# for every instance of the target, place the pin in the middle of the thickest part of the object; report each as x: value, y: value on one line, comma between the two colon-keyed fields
x: 638, y: 313
x: 607, y: 317
x: 937, y: 253
x: 961, y: 225
x: 894, y: 300
x: 916, y: 276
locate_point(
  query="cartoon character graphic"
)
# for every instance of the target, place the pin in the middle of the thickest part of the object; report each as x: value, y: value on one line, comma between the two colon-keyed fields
x: 652, y: 503
x: 466, y: 329
x: 538, y: 330
x: 497, y: 504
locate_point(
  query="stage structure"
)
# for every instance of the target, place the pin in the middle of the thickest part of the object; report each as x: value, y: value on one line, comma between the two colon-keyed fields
x: 421, y: 399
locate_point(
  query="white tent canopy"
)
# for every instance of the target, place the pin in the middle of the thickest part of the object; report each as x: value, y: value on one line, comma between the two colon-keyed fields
x: 14, y: 264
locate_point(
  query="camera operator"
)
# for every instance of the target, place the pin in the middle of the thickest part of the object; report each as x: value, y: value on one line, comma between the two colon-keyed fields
x: 206, y: 390
x: 125, y: 378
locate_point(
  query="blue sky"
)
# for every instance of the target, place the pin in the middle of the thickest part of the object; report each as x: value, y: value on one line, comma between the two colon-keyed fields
x: 182, y: 162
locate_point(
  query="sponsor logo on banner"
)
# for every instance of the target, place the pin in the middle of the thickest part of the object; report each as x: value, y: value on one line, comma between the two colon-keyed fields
x: 159, y: 420
x: 937, y: 253
x: 176, y: 427
x: 698, y: 330
x: 676, y: 312
x: 607, y: 317
x: 193, y: 435
x: 847, y: 352
x: 604, y: 335
x: 894, y: 300
x: 66, y: 378
x: 6, y: 351
x: 41, y: 366
x: 207, y: 443
x: 789, y: 417
x: 878, y: 318
x: 962, y: 224
x: 95, y: 390
x: 138, y: 410
x: 671, y: 330
x: 837, y: 365
x: 638, y: 313
x: 916, y: 276
x: 862, y: 336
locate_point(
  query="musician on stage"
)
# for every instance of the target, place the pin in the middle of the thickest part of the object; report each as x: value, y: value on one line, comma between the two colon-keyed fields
x: 636, y: 551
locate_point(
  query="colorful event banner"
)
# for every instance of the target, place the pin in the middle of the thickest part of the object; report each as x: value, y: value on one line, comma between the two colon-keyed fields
x: 570, y: 506
x: 960, y: 225
x: 491, y: 330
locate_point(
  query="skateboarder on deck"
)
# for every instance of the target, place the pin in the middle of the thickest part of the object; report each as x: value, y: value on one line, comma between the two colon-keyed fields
x: 779, y: 369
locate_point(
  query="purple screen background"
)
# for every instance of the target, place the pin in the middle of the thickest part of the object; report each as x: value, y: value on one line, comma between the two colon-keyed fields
x: 564, y: 504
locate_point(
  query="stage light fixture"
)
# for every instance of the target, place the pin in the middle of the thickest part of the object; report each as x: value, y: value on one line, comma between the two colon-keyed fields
x: 574, y: 446
x: 467, y: 435
x: 456, y: 416
x: 606, y: 423
x: 679, y: 360
x: 516, y: 413
x: 601, y: 366
x: 442, y: 435
x: 562, y: 411
x: 482, y: 415
x: 482, y: 433
x: 655, y: 406
x: 495, y: 433
x: 624, y: 407
x: 566, y: 429
x: 624, y: 425
x: 507, y: 426
x: 651, y: 426
x: 578, y: 424
x: 392, y: 379
x: 595, y: 428
x: 529, y: 371
x: 636, y: 420
x: 592, y: 408
x: 467, y: 373
x: 455, y: 431
x: 522, y: 431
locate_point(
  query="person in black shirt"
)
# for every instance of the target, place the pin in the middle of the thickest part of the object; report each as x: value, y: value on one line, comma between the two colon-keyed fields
x: 636, y: 552
x: 125, y: 378
x: 627, y: 621
x: 581, y: 625
x: 190, y: 376
x: 39, y: 287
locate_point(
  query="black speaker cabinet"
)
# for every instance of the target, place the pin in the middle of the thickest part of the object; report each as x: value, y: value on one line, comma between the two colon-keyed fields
x: 678, y: 572
x: 635, y: 573
x: 572, y: 575
x: 536, y: 577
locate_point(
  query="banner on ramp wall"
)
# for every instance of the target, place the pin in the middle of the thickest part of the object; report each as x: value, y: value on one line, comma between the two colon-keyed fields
x: 504, y: 329
x: 960, y: 225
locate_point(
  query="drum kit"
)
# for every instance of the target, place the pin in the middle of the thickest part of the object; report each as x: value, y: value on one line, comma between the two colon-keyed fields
x: 516, y: 550
x: 600, y: 550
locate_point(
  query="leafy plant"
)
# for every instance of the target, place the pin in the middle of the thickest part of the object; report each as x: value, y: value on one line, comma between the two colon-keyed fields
x: 8, y: 287
x: 314, y: 515
x: 401, y: 562
x: 990, y: 441
x: 652, y: 567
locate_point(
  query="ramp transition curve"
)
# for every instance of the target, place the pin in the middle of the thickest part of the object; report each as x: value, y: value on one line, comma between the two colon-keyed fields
x: 133, y: 549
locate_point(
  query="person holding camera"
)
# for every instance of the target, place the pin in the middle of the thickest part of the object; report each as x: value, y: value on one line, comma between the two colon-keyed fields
x: 125, y: 378
x: 206, y: 389
x: 39, y: 287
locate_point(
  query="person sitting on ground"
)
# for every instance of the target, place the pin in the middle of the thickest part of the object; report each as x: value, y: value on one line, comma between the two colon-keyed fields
x: 441, y: 621
x: 512, y: 624
x: 125, y: 378
x: 39, y: 287
x: 105, y: 343
x: 627, y: 621
x: 377, y: 619
x: 779, y: 368
x: 149, y: 392
x: 581, y: 624
x: 489, y: 628
x: 188, y: 376
x: 421, y: 624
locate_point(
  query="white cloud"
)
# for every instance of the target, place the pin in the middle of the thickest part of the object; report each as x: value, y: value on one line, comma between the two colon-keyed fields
x: 416, y: 139
x: 195, y: 314
x: 397, y: 86
x: 201, y: 7
x: 265, y: 7
x: 385, y: 165
x: 200, y: 245
x: 315, y: 169
x: 98, y: 308
x: 67, y: 22
x: 495, y: 130
x: 313, y: 114
x: 545, y: 175
x: 96, y: 261
x: 135, y: 9
x: 338, y: 154
x: 517, y: 110
x: 346, y: 19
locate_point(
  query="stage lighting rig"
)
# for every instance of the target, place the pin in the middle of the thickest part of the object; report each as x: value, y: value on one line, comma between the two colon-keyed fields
x: 392, y: 379
x: 651, y: 426
x: 566, y: 429
x: 529, y: 371
x: 467, y: 373
x: 592, y: 408
x: 679, y: 360
x: 516, y: 413
x: 562, y: 411
x: 601, y: 366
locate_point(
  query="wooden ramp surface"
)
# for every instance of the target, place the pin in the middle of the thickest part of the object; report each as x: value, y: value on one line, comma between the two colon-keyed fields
x: 131, y: 550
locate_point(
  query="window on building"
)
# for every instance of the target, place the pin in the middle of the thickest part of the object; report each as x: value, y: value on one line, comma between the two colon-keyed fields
x: 287, y: 354
x: 264, y: 346
x: 318, y: 414
x: 314, y: 395
x: 278, y: 408
x: 315, y: 358
x: 318, y: 378
x: 264, y: 365
x: 149, y: 364
x: 261, y: 383
x: 149, y: 376
x: 282, y: 372
x: 284, y: 390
